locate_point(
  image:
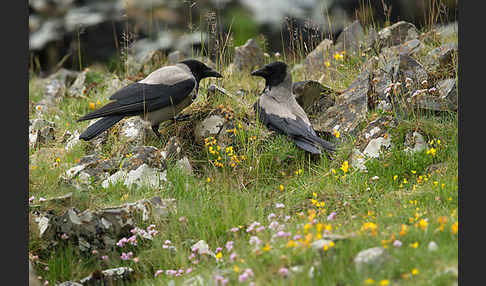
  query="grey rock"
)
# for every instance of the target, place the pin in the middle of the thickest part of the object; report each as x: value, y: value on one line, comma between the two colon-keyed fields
x: 350, y: 38
x: 202, y: 248
x: 414, y: 142
x: 41, y: 132
x: 175, y: 57
x: 358, y: 160
x: 445, y: 101
x: 410, y: 47
x: 72, y: 141
x: 113, y: 276
x: 448, y: 91
x: 315, y: 59
x: 319, y: 244
x: 397, y: 34
x: 173, y: 148
x: 409, y: 67
x: 78, y: 88
x: 248, y: 57
x: 210, y: 126
x: 350, y: 108
x: 136, y: 131
x: 114, y: 83
x: 432, y: 246
x: 99, y: 229
x: 185, y: 165
x: 148, y: 155
x: 443, y: 56
x: 371, y: 258
x: 143, y: 176
x: 373, y: 149
x: 50, y: 30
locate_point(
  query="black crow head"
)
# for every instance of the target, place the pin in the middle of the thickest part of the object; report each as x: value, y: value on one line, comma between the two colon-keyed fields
x: 273, y: 73
x: 200, y: 70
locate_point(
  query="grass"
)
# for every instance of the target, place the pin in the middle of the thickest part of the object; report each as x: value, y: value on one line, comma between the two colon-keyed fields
x: 373, y: 212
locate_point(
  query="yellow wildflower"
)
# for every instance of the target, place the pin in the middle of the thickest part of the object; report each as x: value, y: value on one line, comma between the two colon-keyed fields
x: 91, y: 105
x: 219, y: 255
x: 369, y: 281
x: 345, y: 166
x: 266, y: 248
x: 395, y: 177
x: 208, y: 180
x: 454, y: 227
x: 236, y: 269
x: 414, y: 245
x: 415, y: 271
x: 422, y: 224
x: 384, y: 283
x: 327, y: 63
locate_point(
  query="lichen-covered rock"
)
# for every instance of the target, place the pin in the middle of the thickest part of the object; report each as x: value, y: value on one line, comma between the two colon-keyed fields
x: 78, y: 88
x: 414, y: 142
x: 397, y: 34
x: 248, y: 57
x: 316, y: 58
x: 148, y: 155
x: 173, y: 148
x: 143, y: 176
x: 349, y: 40
x: 442, y: 57
x: 371, y: 258
x: 98, y: 229
x: 41, y: 132
x: 210, y: 126
x: 135, y: 130
x: 349, y: 110
x: 113, y: 276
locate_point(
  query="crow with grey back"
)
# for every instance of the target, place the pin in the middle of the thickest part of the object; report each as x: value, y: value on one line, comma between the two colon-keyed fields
x: 277, y: 109
x: 157, y: 98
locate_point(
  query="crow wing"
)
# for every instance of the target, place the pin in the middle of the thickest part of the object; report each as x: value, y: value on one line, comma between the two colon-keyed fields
x: 138, y: 98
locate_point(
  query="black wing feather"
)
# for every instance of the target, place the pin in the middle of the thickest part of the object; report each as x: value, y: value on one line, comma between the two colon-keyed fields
x: 137, y: 98
x: 303, y: 134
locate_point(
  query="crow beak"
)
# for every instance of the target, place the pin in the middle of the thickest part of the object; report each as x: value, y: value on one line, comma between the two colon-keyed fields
x: 213, y: 73
x: 260, y: 72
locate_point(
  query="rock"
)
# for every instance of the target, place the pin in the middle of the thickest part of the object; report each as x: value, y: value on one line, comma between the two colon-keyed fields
x: 99, y: 229
x: 315, y: 59
x: 210, y: 126
x: 373, y: 148
x: 185, y: 165
x: 175, y: 57
x: 350, y: 108
x: 350, y: 38
x: 397, y: 34
x: 33, y: 280
x: 143, y: 176
x: 377, y: 130
x: 91, y: 168
x: 410, y: 68
x: 445, y: 101
x: 370, y: 258
x: 248, y: 57
x: 202, y: 248
x: 173, y: 148
x: 414, y: 142
x: 448, y: 91
x: 72, y: 141
x: 432, y: 246
x: 442, y: 57
x: 114, y: 276
x: 309, y: 92
x: 41, y: 132
x: 78, y: 88
x: 318, y: 245
x: 409, y: 48
x: 358, y: 160
x: 136, y: 131
x: 148, y: 155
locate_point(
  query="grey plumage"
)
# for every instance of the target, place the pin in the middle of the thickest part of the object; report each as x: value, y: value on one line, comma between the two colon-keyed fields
x: 279, y: 111
x: 157, y: 98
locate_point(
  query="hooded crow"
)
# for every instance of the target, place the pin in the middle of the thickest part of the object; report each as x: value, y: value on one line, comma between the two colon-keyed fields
x: 279, y: 111
x: 157, y: 98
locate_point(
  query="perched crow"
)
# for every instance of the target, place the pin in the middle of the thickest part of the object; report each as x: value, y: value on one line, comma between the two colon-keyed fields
x: 279, y: 111
x: 157, y: 98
